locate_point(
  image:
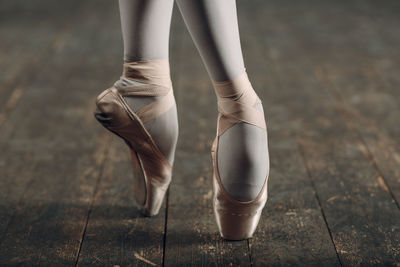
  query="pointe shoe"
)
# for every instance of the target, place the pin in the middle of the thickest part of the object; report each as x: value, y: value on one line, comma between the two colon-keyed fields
x: 236, y: 220
x: 151, y: 170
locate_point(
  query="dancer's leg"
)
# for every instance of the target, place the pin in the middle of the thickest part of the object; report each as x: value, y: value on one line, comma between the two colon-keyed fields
x: 213, y: 27
x: 243, y: 149
x: 145, y: 30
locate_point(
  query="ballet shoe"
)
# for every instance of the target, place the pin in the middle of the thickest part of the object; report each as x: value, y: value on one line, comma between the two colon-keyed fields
x: 236, y: 220
x: 152, y: 171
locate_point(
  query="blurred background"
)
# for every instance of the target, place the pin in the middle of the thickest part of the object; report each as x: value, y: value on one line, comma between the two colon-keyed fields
x: 328, y: 75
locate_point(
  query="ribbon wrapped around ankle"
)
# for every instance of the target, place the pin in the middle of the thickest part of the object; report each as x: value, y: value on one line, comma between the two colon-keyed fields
x: 236, y: 100
x: 155, y: 76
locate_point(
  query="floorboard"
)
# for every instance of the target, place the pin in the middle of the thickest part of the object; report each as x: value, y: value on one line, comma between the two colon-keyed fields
x: 54, y: 152
x: 359, y: 211
x: 26, y: 46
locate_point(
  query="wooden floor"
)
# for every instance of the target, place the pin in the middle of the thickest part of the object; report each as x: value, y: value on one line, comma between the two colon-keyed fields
x: 328, y: 75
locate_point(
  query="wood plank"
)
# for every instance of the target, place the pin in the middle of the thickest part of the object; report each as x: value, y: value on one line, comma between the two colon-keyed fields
x: 14, y: 83
x: 360, y: 213
x: 382, y: 150
x: 365, y: 84
x: 192, y: 235
x: 25, y: 44
x: 52, y: 129
x: 117, y: 233
x: 292, y: 230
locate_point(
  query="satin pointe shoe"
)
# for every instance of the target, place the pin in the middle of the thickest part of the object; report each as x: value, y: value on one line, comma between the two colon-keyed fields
x: 151, y: 170
x: 236, y: 220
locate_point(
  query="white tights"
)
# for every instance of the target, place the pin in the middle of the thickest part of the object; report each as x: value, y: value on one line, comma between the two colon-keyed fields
x: 213, y: 26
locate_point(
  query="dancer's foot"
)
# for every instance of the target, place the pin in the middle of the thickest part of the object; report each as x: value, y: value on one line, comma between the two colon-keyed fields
x: 243, y: 159
x: 240, y: 150
x: 136, y: 109
x: 163, y: 129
